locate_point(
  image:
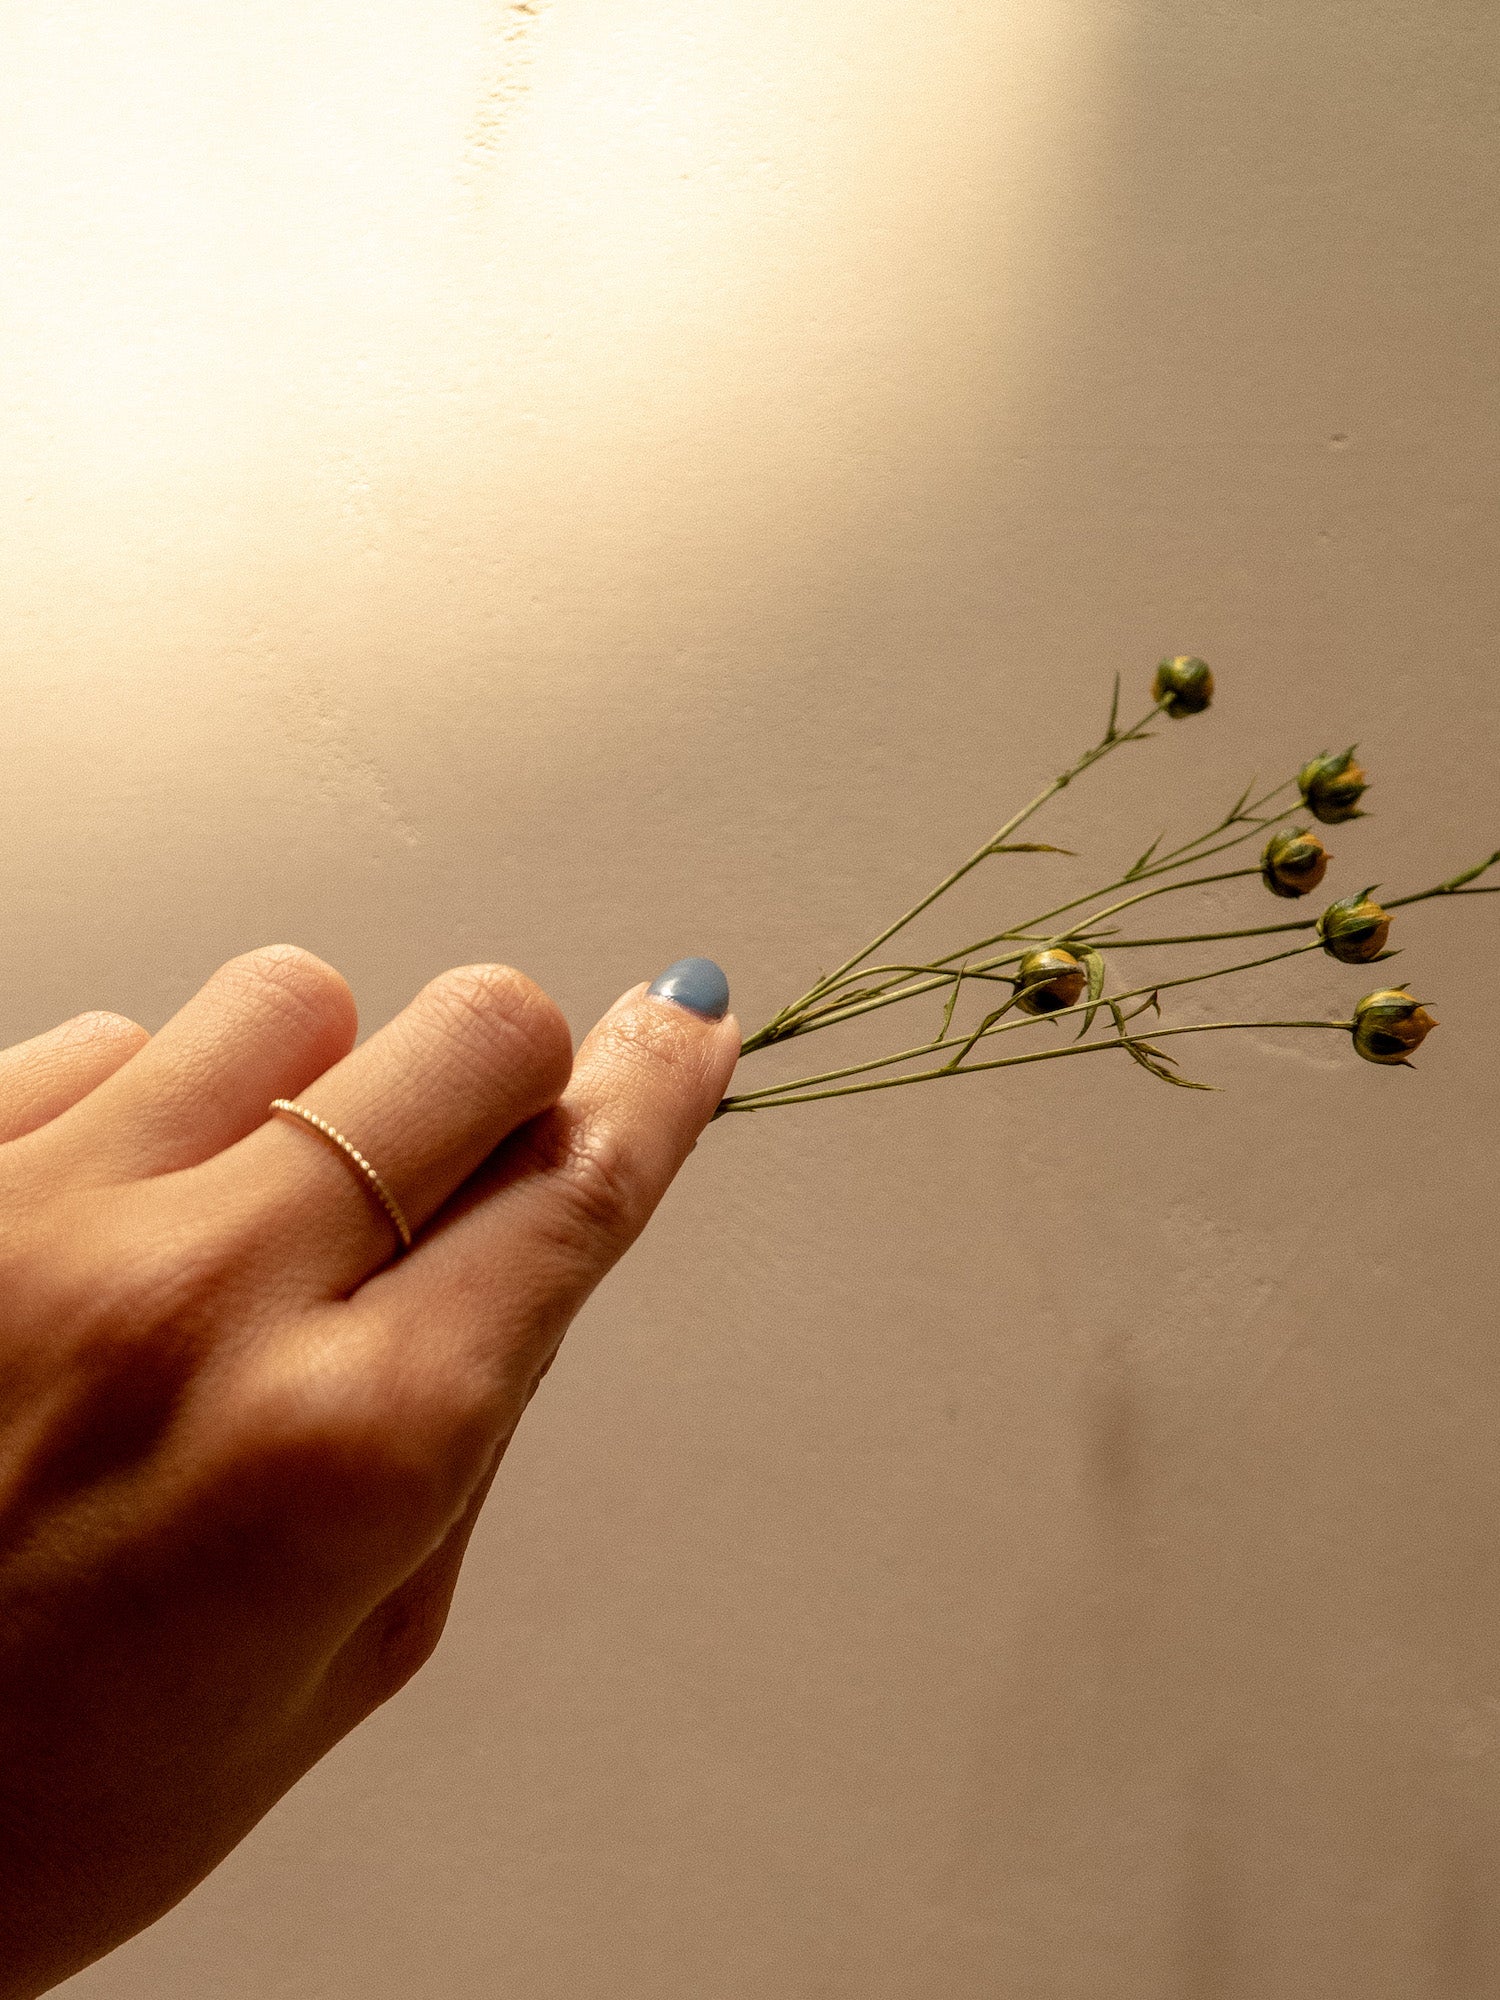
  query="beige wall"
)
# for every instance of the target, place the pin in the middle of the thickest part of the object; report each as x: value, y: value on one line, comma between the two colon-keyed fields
x: 586, y: 481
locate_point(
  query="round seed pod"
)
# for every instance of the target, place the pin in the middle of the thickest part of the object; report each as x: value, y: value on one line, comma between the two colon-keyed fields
x: 1355, y: 930
x: 1294, y: 862
x: 1049, y: 979
x: 1184, y: 684
x: 1388, y: 1025
x: 1332, y: 787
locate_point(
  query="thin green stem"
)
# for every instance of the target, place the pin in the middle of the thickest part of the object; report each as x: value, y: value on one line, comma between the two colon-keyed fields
x: 1244, y: 809
x: 868, y: 1002
x: 1163, y: 889
x: 939, y: 965
x: 931, y: 976
x: 1213, y: 937
x: 963, y: 1043
x: 1163, y: 865
x: 1111, y: 740
x: 759, y: 1103
x: 1426, y: 895
x: 913, y: 982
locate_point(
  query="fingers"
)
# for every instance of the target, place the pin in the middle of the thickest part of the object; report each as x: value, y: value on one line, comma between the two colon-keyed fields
x: 426, y: 1100
x: 46, y: 1076
x: 265, y: 1025
x: 364, y: 1427
x: 478, y: 1310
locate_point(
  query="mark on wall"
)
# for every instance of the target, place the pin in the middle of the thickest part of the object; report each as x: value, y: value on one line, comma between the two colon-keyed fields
x: 509, y: 55
x: 321, y: 730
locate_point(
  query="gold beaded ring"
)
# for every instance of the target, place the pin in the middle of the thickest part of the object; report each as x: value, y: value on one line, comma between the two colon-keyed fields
x: 356, y: 1160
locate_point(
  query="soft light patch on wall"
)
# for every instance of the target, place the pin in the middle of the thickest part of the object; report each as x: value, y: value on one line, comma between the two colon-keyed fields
x: 291, y: 284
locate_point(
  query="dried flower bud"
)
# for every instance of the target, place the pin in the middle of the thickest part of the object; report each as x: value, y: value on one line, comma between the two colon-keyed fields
x: 1294, y: 862
x: 1354, y: 930
x: 1332, y: 786
x: 1049, y: 979
x: 1186, y: 685
x: 1389, y: 1025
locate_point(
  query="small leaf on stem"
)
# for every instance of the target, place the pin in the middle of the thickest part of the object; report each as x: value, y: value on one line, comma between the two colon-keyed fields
x: 1094, y: 965
x: 1239, y: 805
x: 1469, y: 875
x: 1135, y: 868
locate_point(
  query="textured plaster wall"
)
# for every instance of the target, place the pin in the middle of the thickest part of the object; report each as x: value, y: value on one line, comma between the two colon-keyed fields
x: 583, y: 481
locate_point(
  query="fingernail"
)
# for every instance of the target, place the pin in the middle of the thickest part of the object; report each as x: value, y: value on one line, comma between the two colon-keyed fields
x: 695, y: 983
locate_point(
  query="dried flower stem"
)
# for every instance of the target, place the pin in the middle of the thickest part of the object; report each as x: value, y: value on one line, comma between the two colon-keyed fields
x: 939, y: 972
x: 943, y: 1043
x: 857, y: 987
x: 1112, y: 738
x: 745, y: 1103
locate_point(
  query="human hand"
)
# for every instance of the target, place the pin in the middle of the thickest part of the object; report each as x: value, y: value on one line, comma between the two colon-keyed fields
x: 241, y: 1450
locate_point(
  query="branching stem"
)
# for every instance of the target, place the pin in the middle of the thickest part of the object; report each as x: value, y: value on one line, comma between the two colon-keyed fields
x: 962, y: 1043
x: 1008, y: 1062
x: 857, y: 987
x: 1111, y: 740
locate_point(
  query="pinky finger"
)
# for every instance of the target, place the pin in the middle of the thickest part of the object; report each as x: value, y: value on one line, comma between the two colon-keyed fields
x: 48, y: 1075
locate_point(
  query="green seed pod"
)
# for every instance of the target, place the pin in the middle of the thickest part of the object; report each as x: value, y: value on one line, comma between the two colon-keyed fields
x: 1332, y: 786
x: 1389, y: 1025
x: 1355, y: 930
x: 1049, y: 979
x: 1294, y: 862
x: 1185, y: 685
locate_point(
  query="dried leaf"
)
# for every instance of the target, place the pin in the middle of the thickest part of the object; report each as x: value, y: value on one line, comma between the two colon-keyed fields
x: 1094, y: 965
x: 1135, y: 869
x: 1156, y: 1060
x: 948, y: 1011
x: 983, y: 1029
x: 1240, y: 803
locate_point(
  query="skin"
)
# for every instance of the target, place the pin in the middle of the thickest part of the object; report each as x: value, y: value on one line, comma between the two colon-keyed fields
x: 242, y: 1448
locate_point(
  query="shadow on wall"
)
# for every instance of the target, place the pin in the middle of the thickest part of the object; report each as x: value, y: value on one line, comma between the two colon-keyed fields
x: 1219, y: 1759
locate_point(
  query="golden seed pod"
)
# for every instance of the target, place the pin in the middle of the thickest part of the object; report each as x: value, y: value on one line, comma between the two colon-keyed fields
x: 1355, y: 930
x: 1049, y: 979
x: 1294, y: 862
x: 1186, y: 685
x: 1388, y: 1025
x: 1332, y: 786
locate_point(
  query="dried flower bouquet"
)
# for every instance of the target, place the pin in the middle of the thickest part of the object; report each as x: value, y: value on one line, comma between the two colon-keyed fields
x: 1060, y: 974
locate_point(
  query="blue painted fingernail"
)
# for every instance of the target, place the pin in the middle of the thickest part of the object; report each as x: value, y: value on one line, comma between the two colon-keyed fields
x: 695, y: 983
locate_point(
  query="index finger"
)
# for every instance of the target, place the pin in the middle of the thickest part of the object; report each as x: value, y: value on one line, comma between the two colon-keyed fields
x: 485, y: 1299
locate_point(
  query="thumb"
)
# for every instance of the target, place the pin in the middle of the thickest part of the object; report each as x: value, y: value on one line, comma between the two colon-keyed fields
x: 528, y: 1238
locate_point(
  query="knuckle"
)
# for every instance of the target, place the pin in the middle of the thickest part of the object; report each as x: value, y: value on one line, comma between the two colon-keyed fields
x: 285, y: 980
x: 494, y: 1013
x: 127, y: 1293
x: 398, y: 1641
x: 353, y: 1465
x: 106, y: 1323
x: 596, y: 1208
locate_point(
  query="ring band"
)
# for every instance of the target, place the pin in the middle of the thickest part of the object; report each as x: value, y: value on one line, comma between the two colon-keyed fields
x: 356, y: 1160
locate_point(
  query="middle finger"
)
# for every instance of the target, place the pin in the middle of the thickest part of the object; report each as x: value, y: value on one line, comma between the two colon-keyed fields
x: 477, y: 1053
